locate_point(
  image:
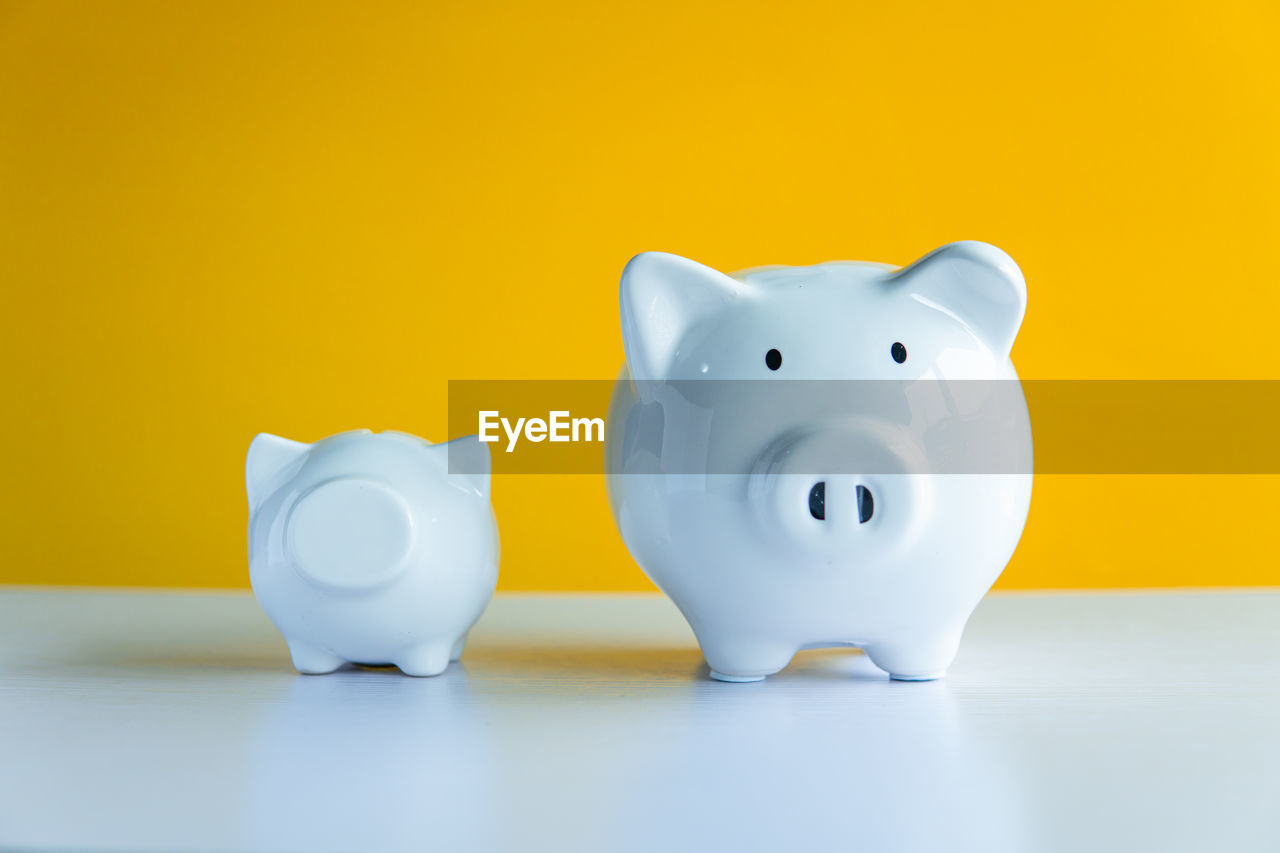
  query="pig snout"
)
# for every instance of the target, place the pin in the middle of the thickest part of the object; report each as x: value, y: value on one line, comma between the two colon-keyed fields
x: 835, y: 488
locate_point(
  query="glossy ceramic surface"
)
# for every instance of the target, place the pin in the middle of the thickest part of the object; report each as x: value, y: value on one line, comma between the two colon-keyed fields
x: 780, y: 515
x: 363, y: 548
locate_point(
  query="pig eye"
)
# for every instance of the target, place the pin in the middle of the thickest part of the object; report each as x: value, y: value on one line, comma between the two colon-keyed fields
x: 899, y: 352
x: 773, y: 359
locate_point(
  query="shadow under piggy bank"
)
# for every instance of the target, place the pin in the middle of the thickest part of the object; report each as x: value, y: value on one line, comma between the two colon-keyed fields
x: 829, y: 755
x: 368, y: 759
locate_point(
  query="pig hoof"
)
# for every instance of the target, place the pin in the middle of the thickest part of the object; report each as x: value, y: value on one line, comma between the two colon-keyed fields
x: 424, y: 662
x: 740, y: 660
x: 310, y: 660
x: 457, y: 648
x: 900, y: 677
x: 736, y: 679
x: 916, y: 662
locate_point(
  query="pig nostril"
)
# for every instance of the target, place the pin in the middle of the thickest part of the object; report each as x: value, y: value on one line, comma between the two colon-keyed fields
x: 818, y: 501
x: 866, y: 505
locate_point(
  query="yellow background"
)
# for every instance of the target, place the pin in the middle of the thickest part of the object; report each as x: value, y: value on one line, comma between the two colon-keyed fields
x: 224, y: 218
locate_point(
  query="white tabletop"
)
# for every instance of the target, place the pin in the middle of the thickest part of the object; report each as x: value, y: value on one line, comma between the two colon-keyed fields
x: 1074, y: 723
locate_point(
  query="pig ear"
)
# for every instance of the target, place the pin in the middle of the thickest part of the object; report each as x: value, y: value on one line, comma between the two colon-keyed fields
x: 469, y: 463
x: 268, y: 456
x: 662, y: 297
x: 976, y: 283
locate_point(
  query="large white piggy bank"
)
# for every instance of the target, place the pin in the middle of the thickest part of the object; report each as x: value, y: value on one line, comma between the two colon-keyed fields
x: 364, y: 549
x: 870, y: 501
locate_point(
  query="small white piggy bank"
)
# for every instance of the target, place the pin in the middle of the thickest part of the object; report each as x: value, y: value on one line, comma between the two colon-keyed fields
x: 828, y: 455
x: 363, y: 548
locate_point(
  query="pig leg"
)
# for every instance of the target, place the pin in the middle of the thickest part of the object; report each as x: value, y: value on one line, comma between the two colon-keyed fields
x: 457, y: 648
x: 918, y: 659
x: 313, y: 660
x: 738, y: 658
x: 426, y: 659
